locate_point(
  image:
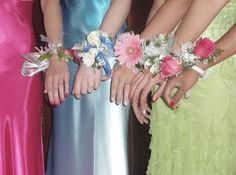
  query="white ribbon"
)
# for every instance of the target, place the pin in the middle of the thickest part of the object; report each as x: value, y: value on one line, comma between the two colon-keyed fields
x: 33, y: 65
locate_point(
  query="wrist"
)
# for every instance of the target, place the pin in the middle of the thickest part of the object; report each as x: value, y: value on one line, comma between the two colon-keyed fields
x: 203, y: 66
x: 199, y: 70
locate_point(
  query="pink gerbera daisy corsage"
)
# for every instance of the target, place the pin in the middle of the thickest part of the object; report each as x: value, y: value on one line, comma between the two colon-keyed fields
x: 128, y: 49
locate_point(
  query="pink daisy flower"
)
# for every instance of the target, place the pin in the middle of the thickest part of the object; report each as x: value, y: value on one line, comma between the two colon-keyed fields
x: 128, y: 49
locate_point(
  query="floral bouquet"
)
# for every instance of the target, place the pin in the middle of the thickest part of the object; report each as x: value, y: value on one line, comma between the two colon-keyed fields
x: 94, y: 51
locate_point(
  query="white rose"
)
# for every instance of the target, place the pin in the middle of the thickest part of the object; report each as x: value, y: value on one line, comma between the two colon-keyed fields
x: 94, y: 39
x: 94, y: 51
x: 89, y: 58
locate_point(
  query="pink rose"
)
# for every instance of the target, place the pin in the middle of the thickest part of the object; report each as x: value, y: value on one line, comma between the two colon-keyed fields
x: 169, y: 67
x: 204, y: 48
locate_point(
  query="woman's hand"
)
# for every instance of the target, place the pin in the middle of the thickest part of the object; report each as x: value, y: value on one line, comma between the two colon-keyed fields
x: 140, y: 89
x: 86, y: 81
x: 57, y: 81
x: 183, y: 83
x: 121, y: 82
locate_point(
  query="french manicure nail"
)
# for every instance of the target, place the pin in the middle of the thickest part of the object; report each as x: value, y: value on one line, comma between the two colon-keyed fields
x: 112, y: 99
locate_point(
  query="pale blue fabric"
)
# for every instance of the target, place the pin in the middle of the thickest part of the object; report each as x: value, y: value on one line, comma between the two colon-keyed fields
x: 89, y: 136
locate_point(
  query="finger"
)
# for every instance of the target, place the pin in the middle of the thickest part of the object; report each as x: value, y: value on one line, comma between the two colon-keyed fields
x: 144, y: 94
x: 77, y: 89
x: 66, y: 83
x: 55, y: 84
x: 61, y: 89
x: 126, y: 93
x: 148, y: 109
x: 159, y: 91
x: 139, y: 88
x: 138, y: 115
x: 97, y: 81
x: 178, y: 95
x: 114, y: 84
x: 104, y: 78
x: 84, y: 86
x: 145, y: 114
x: 167, y: 93
x: 119, y: 92
x: 135, y: 83
x: 90, y: 85
x: 97, y: 84
x: 48, y: 86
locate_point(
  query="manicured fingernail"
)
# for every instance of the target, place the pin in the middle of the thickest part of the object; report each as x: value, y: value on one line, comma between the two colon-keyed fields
x: 112, y: 99
x: 52, y: 102
x: 62, y: 100
x: 155, y: 99
x: 172, y: 104
x: 125, y: 103
x: 57, y: 104
x: 66, y: 94
x: 144, y: 112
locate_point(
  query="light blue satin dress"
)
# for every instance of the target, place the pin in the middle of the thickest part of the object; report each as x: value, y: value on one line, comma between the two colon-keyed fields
x: 89, y: 136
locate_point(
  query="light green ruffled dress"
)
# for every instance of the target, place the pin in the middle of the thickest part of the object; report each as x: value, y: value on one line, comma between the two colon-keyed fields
x: 199, y: 138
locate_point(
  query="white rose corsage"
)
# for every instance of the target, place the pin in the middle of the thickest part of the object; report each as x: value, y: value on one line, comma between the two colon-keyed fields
x: 93, y: 52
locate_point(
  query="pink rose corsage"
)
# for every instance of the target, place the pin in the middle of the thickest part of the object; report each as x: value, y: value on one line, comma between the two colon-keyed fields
x: 128, y: 49
x: 203, y: 50
x: 157, y: 58
x: 170, y: 67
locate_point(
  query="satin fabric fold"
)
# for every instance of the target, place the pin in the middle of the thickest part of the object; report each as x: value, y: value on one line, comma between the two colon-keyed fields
x: 20, y: 98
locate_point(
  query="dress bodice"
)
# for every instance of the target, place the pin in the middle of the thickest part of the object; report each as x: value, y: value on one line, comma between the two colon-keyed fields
x: 80, y: 17
x: 16, y: 32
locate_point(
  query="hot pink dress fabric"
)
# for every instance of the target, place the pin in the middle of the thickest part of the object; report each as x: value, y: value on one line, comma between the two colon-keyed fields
x: 21, y: 150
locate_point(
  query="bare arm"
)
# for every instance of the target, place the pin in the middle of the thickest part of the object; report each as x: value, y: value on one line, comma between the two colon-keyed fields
x: 53, y: 19
x: 115, y: 16
x: 198, y: 17
x: 155, y: 7
x: 57, y: 75
x: 166, y: 18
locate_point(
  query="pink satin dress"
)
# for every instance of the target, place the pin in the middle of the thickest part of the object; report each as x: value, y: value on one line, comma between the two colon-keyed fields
x: 21, y: 150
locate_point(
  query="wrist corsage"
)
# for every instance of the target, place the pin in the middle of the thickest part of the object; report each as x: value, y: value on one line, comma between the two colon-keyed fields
x: 39, y: 61
x: 203, y: 50
x: 129, y: 49
x: 157, y: 58
x: 94, y: 51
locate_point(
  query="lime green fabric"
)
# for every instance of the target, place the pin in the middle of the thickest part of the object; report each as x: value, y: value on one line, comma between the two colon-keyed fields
x: 199, y: 138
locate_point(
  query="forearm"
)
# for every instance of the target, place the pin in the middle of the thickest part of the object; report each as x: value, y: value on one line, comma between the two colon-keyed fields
x: 166, y: 18
x: 155, y: 7
x: 116, y: 16
x: 198, y: 17
x: 228, y: 44
x: 53, y: 20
